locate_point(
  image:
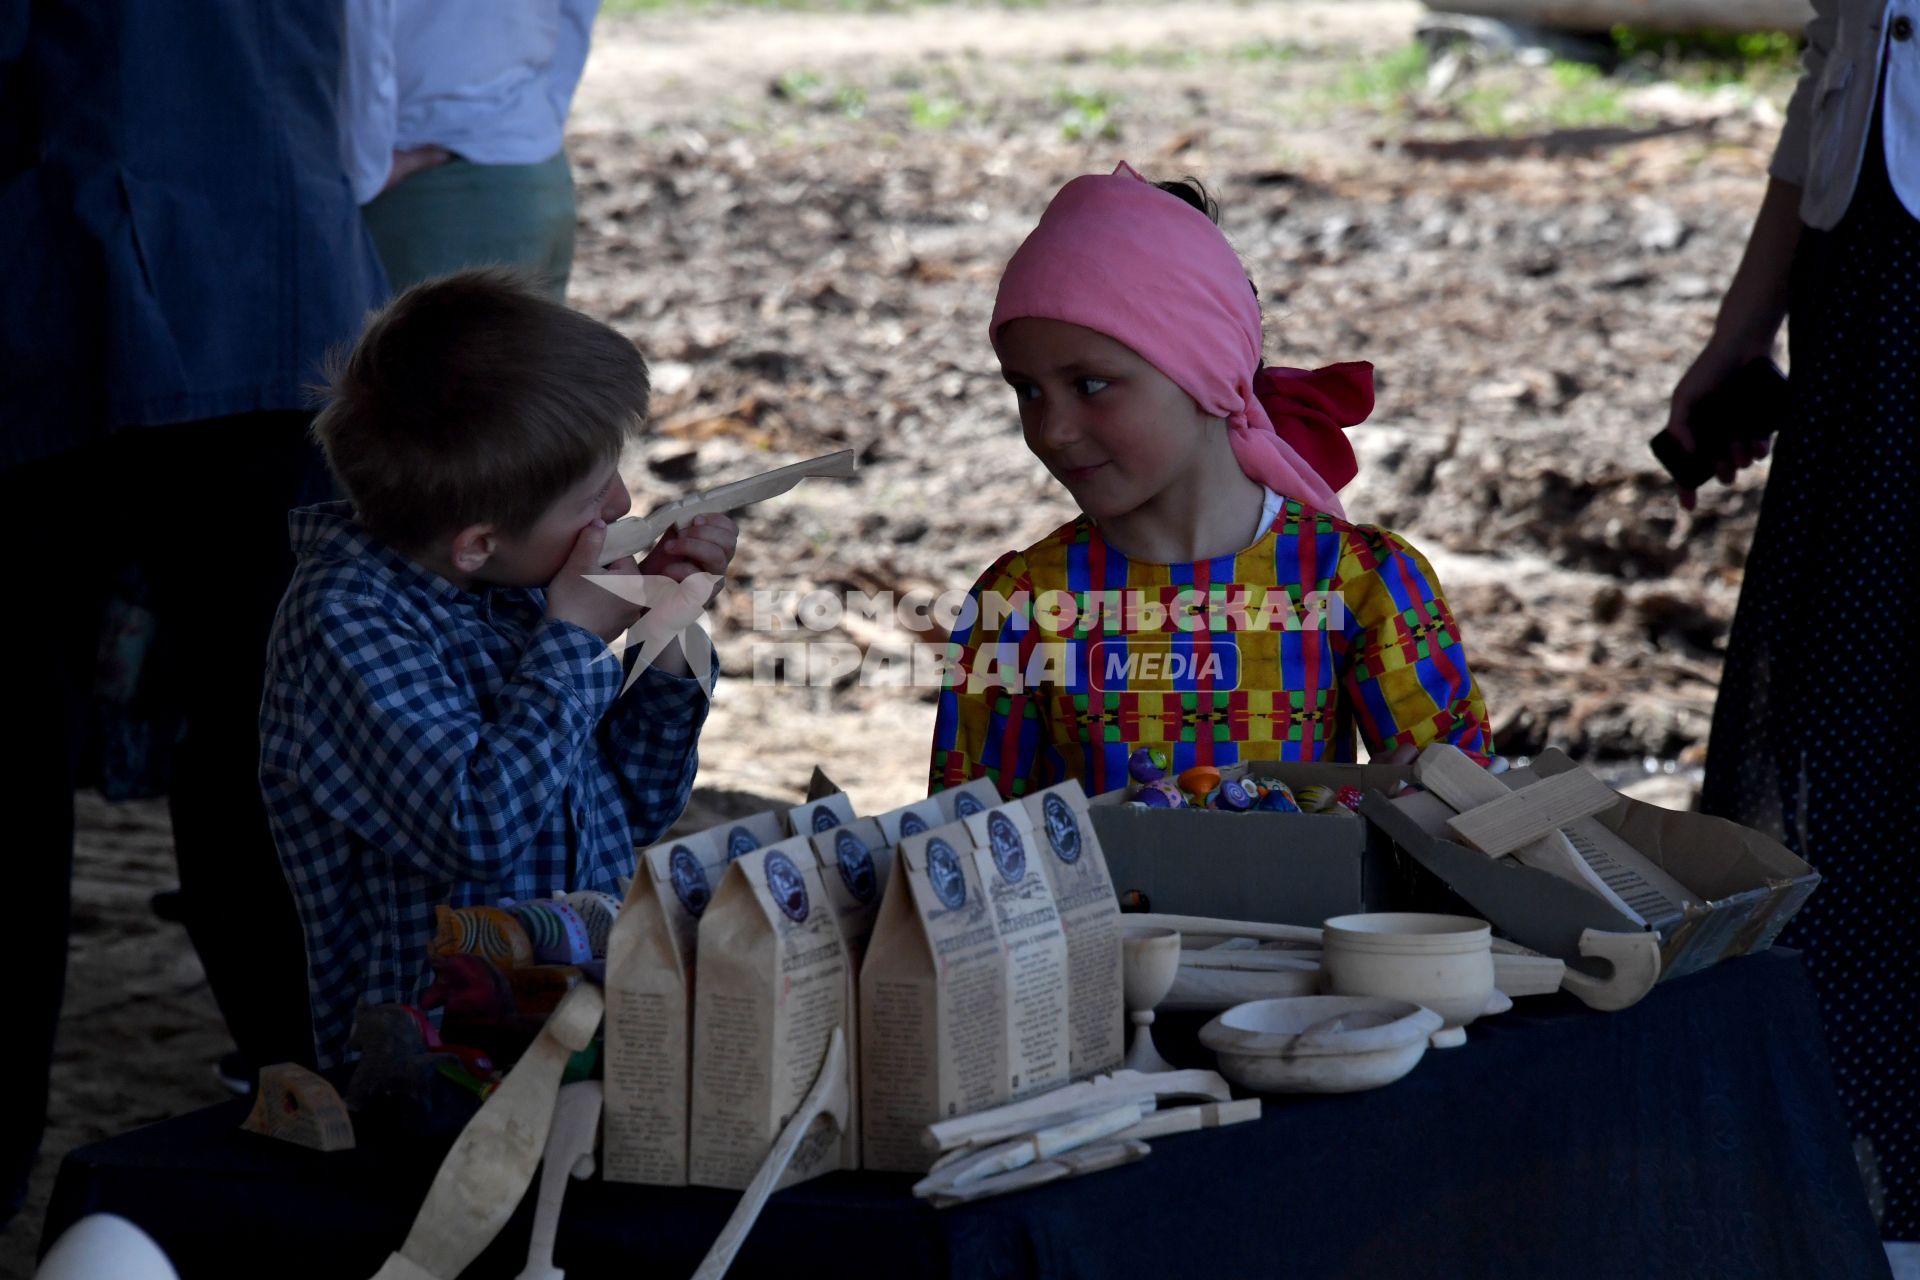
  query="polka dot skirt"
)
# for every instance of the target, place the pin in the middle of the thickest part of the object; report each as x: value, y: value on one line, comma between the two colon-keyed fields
x: 1816, y: 735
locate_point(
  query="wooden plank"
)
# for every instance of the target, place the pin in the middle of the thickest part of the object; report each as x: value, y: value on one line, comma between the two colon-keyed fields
x: 1523, y: 816
x: 1451, y: 774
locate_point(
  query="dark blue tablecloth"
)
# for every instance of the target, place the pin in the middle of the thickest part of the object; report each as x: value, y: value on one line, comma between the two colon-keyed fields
x: 1693, y: 1136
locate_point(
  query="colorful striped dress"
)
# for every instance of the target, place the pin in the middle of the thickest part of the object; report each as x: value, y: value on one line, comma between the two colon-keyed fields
x: 1069, y: 656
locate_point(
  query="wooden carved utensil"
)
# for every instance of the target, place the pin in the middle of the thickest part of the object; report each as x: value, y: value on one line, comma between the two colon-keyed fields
x: 636, y: 535
x: 569, y: 1155
x: 487, y: 1171
x: 829, y: 1098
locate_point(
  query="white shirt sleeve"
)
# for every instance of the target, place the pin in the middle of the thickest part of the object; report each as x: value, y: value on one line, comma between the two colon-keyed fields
x: 369, y: 97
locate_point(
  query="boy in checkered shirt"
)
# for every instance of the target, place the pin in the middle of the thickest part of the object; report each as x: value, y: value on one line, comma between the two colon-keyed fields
x: 443, y: 718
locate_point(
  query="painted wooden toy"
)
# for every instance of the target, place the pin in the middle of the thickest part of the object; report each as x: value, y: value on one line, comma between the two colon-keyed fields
x: 297, y: 1106
x: 598, y: 910
x: 1161, y: 795
x: 558, y: 933
x: 538, y: 989
x: 1199, y: 780
x: 489, y: 932
x: 1147, y: 765
x: 401, y: 1076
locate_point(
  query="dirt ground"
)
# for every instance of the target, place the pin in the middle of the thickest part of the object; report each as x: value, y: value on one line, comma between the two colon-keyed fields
x: 800, y: 219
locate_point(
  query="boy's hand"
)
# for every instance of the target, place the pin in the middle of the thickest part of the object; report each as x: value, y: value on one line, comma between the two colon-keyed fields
x: 704, y: 545
x: 571, y: 598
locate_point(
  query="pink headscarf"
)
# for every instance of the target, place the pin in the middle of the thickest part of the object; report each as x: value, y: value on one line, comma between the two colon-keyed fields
x: 1117, y: 255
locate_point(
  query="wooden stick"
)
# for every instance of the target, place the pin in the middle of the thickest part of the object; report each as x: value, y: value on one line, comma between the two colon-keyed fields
x: 1523, y: 816
x: 829, y: 1098
x: 492, y: 1161
x: 569, y: 1155
x: 1207, y: 926
x: 1208, y: 1115
x: 992, y: 1125
x: 1091, y: 1159
x: 1042, y: 1144
x: 636, y: 534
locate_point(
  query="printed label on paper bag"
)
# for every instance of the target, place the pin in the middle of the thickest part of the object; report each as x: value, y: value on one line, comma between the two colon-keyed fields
x: 1089, y: 911
x: 1030, y: 930
x: 772, y: 986
x: 933, y: 999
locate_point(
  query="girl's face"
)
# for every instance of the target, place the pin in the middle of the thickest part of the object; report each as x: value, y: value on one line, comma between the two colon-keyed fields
x: 1110, y: 427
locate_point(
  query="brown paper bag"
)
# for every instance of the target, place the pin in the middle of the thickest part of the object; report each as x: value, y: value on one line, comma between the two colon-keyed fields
x: 855, y: 862
x: 911, y: 819
x: 744, y: 835
x: 967, y: 799
x: 649, y: 991
x: 772, y: 986
x: 1036, y: 946
x: 933, y: 989
x: 1076, y: 867
x: 819, y: 815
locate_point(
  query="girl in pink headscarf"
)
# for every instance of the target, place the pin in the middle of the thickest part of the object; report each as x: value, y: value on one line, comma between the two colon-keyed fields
x: 1211, y: 601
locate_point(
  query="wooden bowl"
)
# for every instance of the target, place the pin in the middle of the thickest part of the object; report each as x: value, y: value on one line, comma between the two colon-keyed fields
x: 1443, y: 963
x: 1319, y: 1044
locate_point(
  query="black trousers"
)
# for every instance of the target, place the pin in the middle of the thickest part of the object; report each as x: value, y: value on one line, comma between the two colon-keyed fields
x: 203, y: 506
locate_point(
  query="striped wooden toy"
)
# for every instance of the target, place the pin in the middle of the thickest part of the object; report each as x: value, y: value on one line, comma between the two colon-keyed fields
x: 599, y: 911
x: 487, y: 932
x: 558, y: 933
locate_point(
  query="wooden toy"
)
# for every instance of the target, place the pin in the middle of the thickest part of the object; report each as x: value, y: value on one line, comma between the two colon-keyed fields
x: 598, y: 911
x: 569, y: 1154
x: 636, y: 535
x: 487, y: 1172
x: 295, y: 1105
x: 489, y: 932
x: 558, y: 933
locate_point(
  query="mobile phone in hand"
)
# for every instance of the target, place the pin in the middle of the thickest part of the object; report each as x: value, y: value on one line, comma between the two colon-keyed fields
x: 1751, y: 405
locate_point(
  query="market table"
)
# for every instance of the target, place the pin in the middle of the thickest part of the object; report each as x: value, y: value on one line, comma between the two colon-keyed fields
x: 1696, y: 1135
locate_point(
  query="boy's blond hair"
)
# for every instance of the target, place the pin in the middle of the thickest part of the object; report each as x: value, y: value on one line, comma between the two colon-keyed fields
x: 475, y: 398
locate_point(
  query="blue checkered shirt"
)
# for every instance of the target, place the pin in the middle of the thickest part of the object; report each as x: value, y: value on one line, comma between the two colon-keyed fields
x: 421, y: 744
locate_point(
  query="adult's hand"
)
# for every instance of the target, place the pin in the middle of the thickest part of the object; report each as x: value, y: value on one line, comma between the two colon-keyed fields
x: 1745, y: 328
x: 1710, y: 369
x: 414, y: 160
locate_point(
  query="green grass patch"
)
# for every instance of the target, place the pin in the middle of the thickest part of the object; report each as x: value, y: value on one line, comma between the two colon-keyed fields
x: 1087, y: 115
x: 935, y: 111
x: 1382, y: 83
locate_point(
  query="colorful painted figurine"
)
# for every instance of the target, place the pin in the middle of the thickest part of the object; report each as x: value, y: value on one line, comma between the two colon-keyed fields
x: 1272, y: 796
x: 1316, y: 799
x: 538, y: 989
x: 1230, y: 797
x: 1161, y: 795
x: 1148, y: 764
x: 488, y: 932
x: 558, y: 933
x: 1199, y: 780
x: 599, y: 910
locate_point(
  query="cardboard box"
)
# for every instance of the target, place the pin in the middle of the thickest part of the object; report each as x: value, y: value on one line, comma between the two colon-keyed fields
x: 1749, y: 884
x: 1282, y: 868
